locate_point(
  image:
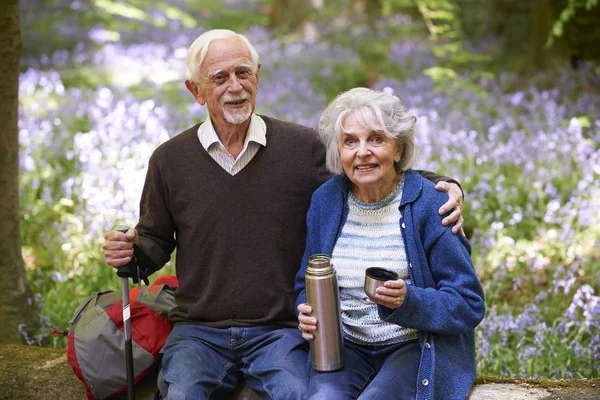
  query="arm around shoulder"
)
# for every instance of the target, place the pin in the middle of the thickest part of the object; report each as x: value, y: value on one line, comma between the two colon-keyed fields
x: 436, y: 178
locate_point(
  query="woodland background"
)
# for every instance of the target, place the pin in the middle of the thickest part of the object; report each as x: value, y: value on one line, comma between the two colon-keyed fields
x: 507, y: 93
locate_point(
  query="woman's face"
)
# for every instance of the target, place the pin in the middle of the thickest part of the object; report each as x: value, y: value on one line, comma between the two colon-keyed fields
x: 368, y: 157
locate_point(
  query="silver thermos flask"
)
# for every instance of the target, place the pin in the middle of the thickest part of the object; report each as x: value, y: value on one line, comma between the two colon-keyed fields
x: 322, y: 294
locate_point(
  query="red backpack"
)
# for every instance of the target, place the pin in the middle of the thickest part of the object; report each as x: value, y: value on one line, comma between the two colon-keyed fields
x: 96, y: 349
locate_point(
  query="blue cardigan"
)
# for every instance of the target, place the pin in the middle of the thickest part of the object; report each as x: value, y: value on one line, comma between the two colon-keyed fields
x: 445, y: 302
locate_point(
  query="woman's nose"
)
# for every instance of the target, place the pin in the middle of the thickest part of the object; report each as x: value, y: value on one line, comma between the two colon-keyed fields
x: 363, y: 149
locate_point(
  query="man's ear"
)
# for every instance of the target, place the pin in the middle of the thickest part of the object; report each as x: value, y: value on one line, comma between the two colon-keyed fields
x: 193, y: 89
x: 257, y: 71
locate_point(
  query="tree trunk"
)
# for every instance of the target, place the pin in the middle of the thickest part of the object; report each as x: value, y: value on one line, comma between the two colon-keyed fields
x: 290, y: 15
x: 14, y: 289
x: 543, y: 17
x: 369, y: 10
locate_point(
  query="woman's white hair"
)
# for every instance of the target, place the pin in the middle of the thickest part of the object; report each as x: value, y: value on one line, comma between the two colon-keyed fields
x: 197, y: 51
x: 375, y: 110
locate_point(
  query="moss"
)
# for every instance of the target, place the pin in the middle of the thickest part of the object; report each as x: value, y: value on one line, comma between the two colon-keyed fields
x: 37, y: 373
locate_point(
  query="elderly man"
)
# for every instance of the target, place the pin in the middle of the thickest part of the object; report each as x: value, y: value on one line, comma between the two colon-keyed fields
x: 231, y: 194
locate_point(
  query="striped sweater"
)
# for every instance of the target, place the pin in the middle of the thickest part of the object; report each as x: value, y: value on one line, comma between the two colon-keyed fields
x: 370, y: 238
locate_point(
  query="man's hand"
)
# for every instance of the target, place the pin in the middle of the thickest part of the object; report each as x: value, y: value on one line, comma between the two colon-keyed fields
x: 118, y: 247
x: 455, y: 199
x: 307, y: 324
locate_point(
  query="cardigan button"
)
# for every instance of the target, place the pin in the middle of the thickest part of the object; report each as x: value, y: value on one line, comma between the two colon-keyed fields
x: 425, y: 382
x: 427, y: 345
x: 403, y: 225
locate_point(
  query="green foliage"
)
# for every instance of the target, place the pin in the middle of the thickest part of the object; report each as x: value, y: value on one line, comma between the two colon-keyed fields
x: 568, y: 14
x: 576, y: 30
x: 390, y: 7
x: 457, y: 66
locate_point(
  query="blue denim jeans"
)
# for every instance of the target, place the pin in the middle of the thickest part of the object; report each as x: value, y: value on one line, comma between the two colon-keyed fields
x: 370, y: 372
x: 208, y: 363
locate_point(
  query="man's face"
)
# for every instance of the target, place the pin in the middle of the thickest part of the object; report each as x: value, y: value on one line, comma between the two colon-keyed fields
x: 227, y: 82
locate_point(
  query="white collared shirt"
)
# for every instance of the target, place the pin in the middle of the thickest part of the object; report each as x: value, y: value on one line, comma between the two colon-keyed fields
x: 255, y: 137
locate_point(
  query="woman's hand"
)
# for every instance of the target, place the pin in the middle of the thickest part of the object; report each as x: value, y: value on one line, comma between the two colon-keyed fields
x: 455, y: 200
x: 392, y: 294
x: 306, y: 323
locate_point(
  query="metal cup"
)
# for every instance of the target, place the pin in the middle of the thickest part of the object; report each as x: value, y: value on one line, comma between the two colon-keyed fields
x: 376, y: 277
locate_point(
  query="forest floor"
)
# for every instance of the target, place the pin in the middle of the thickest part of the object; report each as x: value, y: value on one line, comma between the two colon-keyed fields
x: 495, y: 388
x: 38, y: 373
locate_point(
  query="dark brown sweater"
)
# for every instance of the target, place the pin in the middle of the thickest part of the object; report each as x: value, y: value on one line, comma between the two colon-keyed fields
x: 239, y: 238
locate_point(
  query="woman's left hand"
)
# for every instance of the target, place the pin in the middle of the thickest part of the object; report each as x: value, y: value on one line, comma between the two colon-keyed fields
x: 392, y: 295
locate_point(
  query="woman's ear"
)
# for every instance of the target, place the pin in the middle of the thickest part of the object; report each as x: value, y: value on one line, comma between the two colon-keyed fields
x: 398, y: 153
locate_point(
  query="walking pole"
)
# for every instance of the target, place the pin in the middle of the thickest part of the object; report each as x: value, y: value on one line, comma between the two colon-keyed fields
x: 125, y: 272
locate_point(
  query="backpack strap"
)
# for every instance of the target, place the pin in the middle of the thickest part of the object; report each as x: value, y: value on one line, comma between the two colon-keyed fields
x: 93, y: 298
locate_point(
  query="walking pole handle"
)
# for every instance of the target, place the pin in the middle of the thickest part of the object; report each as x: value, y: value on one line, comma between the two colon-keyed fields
x: 130, y: 270
x: 125, y: 273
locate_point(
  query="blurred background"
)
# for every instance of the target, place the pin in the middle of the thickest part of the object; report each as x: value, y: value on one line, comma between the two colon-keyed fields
x: 507, y: 95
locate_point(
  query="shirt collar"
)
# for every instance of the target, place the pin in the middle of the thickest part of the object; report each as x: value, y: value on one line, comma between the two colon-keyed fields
x: 257, y: 132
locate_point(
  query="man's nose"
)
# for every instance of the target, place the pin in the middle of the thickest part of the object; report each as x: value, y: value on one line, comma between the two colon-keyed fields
x: 234, y: 84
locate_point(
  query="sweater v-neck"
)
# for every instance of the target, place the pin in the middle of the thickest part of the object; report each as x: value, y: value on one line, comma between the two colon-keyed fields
x: 201, y: 154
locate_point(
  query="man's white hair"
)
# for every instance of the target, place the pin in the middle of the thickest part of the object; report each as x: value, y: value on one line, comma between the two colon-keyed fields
x: 198, y: 49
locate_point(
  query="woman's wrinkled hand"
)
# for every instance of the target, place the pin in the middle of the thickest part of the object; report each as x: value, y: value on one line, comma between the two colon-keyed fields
x: 392, y: 294
x: 306, y: 323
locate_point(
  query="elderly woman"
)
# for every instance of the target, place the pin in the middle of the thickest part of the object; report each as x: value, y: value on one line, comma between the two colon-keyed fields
x: 416, y: 338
